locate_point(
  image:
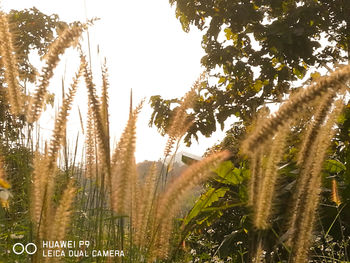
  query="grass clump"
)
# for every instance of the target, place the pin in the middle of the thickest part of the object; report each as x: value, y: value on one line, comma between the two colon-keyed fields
x: 266, y: 146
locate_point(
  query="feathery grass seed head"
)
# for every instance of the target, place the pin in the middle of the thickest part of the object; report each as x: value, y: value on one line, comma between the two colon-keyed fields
x: 297, y: 101
x: 64, y: 41
x: 10, y: 65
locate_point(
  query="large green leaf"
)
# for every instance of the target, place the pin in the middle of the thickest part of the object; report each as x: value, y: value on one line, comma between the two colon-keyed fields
x: 209, y: 197
x: 334, y: 166
x: 228, y: 174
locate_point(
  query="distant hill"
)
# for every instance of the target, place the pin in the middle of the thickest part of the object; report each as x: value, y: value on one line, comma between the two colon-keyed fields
x: 181, y: 161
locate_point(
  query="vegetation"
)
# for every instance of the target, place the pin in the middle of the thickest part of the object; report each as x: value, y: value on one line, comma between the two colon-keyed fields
x: 280, y: 194
x: 254, y: 52
x: 292, y: 169
x: 115, y: 207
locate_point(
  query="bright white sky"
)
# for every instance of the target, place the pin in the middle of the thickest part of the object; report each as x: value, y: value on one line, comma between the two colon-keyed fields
x: 146, y: 50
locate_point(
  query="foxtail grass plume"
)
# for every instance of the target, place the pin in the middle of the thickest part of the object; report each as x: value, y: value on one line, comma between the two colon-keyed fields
x: 290, y: 109
x: 306, y: 158
x: 90, y: 146
x: 104, y: 98
x: 304, y: 211
x: 14, y: 94
x: 259, y: 255
x: 145, y: 207
x: 257, y: 158
x: 124, y: 174
x: 335, y: 194
x: 61, y: 120
x: 314, y: 127
x: 94, y: 103
x: 255, y: 177
x: 63, y: 213
x: 311, y: 156
x: 45, y: 168
x: 39, y: 180
x: 269, y: 179
x: 180, y: 122
x: 65, y: 40
x: 43, y: 190
x: 175, y: 193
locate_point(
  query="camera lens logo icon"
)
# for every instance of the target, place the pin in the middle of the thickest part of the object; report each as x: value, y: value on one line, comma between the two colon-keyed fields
x: 19, y: 248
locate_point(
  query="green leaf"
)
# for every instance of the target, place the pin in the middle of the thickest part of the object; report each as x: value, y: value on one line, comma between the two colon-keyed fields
x: 230, y: 35
x: 183, y: 20
x: 258, y: 85
x: 274, y: 62
x: 209, y: 197
x: 228, y: 174
x: 298, y: 73
x: 222, y: 79
x: 224, y: 168
x: 223, y: 207
x: 334, y: 166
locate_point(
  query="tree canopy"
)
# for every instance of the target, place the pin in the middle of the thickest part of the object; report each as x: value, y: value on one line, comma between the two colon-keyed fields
x: 255, y: 50
x: 33, y: 31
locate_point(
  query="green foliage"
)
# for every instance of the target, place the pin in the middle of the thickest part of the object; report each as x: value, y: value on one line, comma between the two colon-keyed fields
x: 255, y: 50
x: 334, y: 166
x: 34, y: 31
x: 227, y: 178
x: 15, y: 222
x: 216, y: 226
x: 228, y: 174
x: 162, y: 113
x: 332, y: 231
x: 10, y: 126
x: 210, y: 196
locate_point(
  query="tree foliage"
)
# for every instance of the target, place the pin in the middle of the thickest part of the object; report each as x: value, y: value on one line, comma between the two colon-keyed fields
x: 33, y: 32
x: 255, y: 50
